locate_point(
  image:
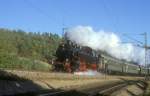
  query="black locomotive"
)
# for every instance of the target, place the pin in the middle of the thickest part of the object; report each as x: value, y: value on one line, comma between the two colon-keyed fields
x: 71, y: 58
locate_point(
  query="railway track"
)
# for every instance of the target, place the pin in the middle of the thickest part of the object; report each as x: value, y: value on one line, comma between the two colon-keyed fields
x: 112, y: 89
x: 101, y: 91
x: 109, y: 90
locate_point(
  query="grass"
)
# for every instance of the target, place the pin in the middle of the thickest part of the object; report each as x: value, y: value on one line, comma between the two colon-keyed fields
x: 14, y: 62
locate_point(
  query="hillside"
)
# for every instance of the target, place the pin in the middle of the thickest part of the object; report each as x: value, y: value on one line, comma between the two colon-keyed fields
x: 27, y: 50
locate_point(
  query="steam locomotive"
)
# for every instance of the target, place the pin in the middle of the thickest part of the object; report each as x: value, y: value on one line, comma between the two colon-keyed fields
x: 70, y: 57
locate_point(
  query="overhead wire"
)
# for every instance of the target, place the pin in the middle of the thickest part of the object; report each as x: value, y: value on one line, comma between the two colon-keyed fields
x: 133, y: 39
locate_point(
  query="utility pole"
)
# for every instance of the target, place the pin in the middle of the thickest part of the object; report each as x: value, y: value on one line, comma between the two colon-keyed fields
x: 145, y: 46
x: 63, y: 31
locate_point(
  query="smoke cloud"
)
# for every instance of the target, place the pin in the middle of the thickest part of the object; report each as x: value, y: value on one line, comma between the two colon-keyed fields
x: 105, y: 41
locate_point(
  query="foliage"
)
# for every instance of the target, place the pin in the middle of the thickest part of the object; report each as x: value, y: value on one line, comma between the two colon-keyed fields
x: 19, y: 49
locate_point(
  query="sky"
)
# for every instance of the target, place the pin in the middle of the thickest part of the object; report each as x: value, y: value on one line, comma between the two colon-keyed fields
x: 131, y: 17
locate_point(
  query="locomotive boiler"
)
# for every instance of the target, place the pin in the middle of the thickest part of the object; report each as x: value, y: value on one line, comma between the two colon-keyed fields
x: 73, y: 58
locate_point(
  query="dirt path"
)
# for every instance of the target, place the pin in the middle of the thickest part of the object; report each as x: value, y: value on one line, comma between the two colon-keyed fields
x: 35, y: 81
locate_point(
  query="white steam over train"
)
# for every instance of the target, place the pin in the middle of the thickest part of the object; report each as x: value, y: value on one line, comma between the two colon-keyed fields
x: 80, y: 51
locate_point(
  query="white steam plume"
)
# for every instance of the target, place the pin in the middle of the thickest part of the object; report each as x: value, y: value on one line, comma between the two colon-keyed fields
x: 105, y: 41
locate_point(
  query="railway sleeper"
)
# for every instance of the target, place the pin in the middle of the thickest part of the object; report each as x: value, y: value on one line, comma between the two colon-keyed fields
x: 114, y: 89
